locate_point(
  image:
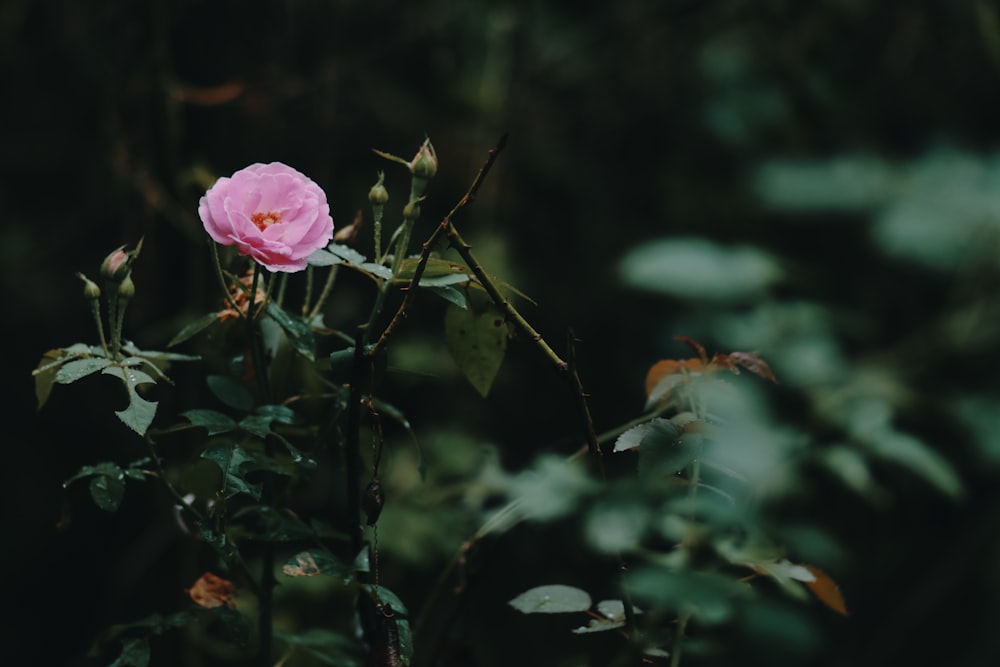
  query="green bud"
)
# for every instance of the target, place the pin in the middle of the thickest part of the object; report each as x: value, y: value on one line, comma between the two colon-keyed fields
x: 412, y: 210
x: 126, y: 288
x: 90, y: 289
x: 425, y: 164
x: 378, y: 195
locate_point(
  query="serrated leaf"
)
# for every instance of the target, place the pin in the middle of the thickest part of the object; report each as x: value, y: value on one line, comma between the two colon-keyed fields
x: 230, y: 392
x: 194, y: 328
x: 71, y: 371
x: 345, y: 253
x: 107, y: 491
x: 214, y: 422
x: 258, y: 425
x: 632, y: 438
x: 298, y: 331
x: 664, y: 451
x: 477, y: 343
x: 552, y: 599
x: 135, y: 653
x: 140, y: 413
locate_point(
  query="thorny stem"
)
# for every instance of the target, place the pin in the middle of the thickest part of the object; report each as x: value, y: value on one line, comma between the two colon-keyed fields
x: 418, y: 272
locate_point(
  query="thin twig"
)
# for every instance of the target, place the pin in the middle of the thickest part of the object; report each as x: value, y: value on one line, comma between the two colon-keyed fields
x: 425, y: 253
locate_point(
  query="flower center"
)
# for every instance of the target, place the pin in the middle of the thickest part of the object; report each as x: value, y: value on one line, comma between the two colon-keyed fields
x: 265, y: 220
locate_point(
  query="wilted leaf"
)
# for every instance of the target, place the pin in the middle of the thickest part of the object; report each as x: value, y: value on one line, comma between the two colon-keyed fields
x: 551, y: 599
x: 477, y: 343
x: 315, y: 562
x: 211, y: 591
x: 826, y: 590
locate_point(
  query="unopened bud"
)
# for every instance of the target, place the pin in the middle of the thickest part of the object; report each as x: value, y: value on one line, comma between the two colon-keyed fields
x: 126, y: 288
x: 425, y: 164
x: 118, y: 264
x: 378, y: 195
x: 412, y: 210
x: 90, y: 289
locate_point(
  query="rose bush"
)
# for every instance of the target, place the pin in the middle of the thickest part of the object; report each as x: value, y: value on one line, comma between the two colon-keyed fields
x: 271, y: 213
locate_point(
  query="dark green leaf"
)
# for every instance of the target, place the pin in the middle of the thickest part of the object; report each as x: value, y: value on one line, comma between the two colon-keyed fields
x: 107, y: 491
x: 708, y: 596
x: 477, y: 343
x: 279, y: 413
x: 230, y: 392
x: 385, y: 596
x: 214, y: 422
x: 235, y: 462
x: 156, y: 355
x: 194, y: 328
x: 104, y: 468
x: 297, y: 330
x: 71, y: 371
x: 258, y: 425
x: 237, y: 625
x: 664, y: 451
x: 300, y: 459
x: 140, y: 412
x: 135, y: 653
x: 327, y: 646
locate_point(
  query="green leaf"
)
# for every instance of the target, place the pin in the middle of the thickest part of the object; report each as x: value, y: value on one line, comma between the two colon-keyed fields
x: 905, y: 450
x: 103, y: 468
x: 708, y: 596
x: 72, y: 371
x: 664, y: 451
x: 435, y: 268
x: 383, y: 594
x: 214, y: 422
x: 696, y: 268
x: 328, y: 647
x: 300, y: 459
x: 451, y: 295
x: 135, y: 653
x: 230, y: 392
x: 235, y: 462
x: 192, y: 329
x: 552, y: 599
x: 477, y: 343
x: 237, y: 625
x: 258, y: 425
x: 156, y: 355
x: 140, y: 412
x: 107, y: 491
x: 297, y: 330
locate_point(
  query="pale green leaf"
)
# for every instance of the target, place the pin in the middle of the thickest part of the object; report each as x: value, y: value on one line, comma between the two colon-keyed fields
x: 551, y: 599
x: 477, y: 343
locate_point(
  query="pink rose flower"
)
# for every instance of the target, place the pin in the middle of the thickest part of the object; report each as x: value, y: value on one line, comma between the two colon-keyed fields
x: 271, y: 213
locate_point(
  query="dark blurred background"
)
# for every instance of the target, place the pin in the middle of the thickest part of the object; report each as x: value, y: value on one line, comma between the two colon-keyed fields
x: 836, y: 161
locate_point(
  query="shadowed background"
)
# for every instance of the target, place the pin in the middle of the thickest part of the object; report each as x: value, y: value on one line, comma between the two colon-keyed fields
x: 823, y: 175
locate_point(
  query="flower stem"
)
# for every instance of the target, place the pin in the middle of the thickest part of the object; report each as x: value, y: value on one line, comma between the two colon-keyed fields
x: 222, y: 279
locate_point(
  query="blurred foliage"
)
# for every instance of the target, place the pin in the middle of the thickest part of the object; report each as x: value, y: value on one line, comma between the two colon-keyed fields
x: 811, y: 181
